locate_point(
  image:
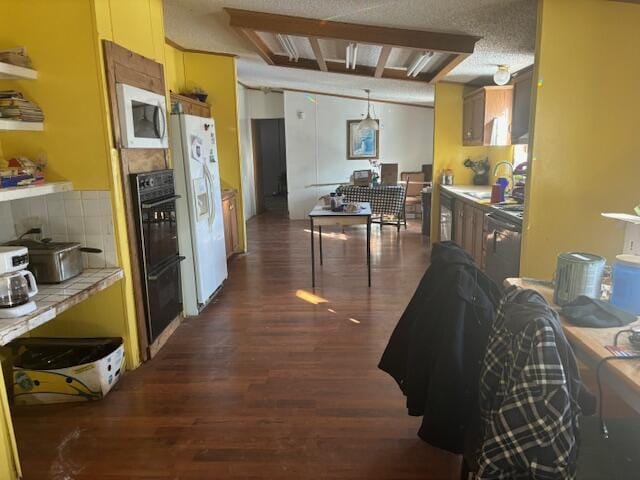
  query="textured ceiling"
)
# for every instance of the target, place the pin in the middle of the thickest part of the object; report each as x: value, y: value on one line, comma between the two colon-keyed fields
x: 507, y: 28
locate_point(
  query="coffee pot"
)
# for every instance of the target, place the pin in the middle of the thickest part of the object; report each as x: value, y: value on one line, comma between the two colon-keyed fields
x: 17, y: 285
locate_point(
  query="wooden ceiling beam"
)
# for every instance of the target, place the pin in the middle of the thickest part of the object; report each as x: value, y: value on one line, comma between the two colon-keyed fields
x: 317, y: 51
x: 382, y: 61
x: 449, y: 65
x: 371, y: 34
x: 261, y: 47
x: 339, y: 67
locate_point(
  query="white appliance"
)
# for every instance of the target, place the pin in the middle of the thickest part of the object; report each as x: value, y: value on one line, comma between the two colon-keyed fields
x: 17, y: 285
x: 199, y: 212
x: 143, y: 117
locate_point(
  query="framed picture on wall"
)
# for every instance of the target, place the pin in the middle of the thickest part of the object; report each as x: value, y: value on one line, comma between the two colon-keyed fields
x: 362, y: 143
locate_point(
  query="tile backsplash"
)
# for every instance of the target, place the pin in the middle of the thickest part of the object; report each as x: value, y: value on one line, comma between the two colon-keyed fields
x: 85, y: 217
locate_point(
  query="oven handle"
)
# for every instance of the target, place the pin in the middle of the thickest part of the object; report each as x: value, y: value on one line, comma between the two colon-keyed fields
x: 159, y: 202
x: 157, y: 275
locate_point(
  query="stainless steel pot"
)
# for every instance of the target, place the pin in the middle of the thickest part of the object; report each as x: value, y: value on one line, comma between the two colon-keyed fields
x: 16, y: 288
x: 55, y: 262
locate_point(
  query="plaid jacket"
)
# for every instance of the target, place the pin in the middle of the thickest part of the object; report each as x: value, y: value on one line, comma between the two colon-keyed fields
x: 529, y: 388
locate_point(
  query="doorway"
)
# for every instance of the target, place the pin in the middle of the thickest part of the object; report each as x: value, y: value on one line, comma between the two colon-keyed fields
x: 270, y: 165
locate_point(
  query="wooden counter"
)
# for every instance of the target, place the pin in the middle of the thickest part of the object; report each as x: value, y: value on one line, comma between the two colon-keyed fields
x: 623, y: 376
x: 54, y: 299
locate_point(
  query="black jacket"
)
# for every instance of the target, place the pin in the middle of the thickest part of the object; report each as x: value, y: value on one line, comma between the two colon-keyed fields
x: 436, y: 349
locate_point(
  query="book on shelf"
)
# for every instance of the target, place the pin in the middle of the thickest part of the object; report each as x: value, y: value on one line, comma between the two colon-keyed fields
x: 14, y: 106
x: 16, y: 56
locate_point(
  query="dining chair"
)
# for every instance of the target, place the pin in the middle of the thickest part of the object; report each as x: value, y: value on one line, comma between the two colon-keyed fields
x: 414, y: 183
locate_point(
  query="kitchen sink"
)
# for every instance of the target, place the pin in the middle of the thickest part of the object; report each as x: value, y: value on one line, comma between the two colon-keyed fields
x: 479, y: 195
x: 510, y: 207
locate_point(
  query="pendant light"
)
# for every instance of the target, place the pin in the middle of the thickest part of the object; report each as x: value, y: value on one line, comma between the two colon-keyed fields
x: 368, y: 121
x: 502, y: 76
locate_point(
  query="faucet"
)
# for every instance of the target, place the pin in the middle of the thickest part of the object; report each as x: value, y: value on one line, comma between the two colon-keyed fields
x: 495, y: 171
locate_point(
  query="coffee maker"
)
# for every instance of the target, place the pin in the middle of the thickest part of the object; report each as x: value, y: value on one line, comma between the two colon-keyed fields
x: 17, y: 284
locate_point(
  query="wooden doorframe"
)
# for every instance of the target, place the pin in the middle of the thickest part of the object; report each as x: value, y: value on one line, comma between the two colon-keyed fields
x: 257, y: 167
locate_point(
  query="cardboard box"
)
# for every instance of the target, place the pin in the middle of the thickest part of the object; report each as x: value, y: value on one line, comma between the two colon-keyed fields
x: 89, y: 380
x: 632, y: 231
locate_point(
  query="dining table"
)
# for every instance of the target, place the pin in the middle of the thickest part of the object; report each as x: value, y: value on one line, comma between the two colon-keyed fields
x: 322, y: 215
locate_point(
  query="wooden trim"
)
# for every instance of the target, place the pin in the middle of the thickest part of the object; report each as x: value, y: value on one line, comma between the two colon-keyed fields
x: 452, y: 63
x: 351, y: 97
x: 162, y: 339
x: 317, y: 51
x: 382, y: 61
x: 177, y: 46
x: 352, y: 157
x: 261, y: 47
x: 301, y: 26
x: 125, y: 66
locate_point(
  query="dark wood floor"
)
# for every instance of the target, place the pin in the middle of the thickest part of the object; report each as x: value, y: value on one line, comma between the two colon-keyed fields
x: 264, y: 384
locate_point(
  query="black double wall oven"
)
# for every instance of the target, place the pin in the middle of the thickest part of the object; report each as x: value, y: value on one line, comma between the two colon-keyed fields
x: 155, y: 211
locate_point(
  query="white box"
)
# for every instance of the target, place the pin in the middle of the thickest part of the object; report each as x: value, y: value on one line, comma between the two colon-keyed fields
x: 632, y: 231
x: 78, y: 383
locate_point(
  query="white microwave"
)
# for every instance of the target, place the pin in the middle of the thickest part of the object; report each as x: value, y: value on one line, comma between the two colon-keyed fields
x: 143, y: 118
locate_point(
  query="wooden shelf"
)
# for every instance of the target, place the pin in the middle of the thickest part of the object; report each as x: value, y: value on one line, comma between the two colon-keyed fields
x: 18, y: 125
x: 15, y: 193
x: 14, y: 72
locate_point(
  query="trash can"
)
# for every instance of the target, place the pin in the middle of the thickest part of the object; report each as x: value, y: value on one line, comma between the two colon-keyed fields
x: 57, y: 370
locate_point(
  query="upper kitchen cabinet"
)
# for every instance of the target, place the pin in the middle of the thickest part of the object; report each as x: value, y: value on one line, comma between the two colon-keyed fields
x: 522, y: 85
x: 486, y: 118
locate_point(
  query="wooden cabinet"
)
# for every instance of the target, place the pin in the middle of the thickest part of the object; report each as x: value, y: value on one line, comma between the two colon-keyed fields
x: 486, y: 116
x: 190, y: 106
x: 479, y: 237
x: 469, y: 229
x: 468, y: 238
x: 522, y: 91
x: 458, y: 222
x: 230, y: 218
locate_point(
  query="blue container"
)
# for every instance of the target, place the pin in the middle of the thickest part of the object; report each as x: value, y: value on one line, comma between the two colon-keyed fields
x: 626, y: 283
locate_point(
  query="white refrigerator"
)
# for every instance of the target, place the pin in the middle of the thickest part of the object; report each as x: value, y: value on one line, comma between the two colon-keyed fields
x: 199, y: 211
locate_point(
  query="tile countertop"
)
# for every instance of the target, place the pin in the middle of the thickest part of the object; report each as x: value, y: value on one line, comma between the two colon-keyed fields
x: 463, y: 191
x: 54, y: 299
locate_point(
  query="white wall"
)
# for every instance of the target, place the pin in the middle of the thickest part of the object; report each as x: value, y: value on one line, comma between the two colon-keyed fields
x: 317, y: 143
x: 253, y: 104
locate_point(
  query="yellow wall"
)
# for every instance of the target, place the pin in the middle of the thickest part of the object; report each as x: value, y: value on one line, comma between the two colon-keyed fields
x: 448, y: 151
x: 586, y: 152
x: 174, y: 69
x: 71, y: 88
x: 66, y: 89
x: 216, y: 74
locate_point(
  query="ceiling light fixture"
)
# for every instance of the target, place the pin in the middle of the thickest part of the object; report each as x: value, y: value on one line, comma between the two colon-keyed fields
x: 502, y: 76
x: 419, y: 63
x: 351, y: 56
x: 354, y: 56
x: 286, y: 42
x: 368, y: 121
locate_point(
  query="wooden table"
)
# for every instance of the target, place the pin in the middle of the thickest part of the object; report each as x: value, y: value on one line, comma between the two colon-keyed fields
x: 321, y: 217
x: 623, y: 376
